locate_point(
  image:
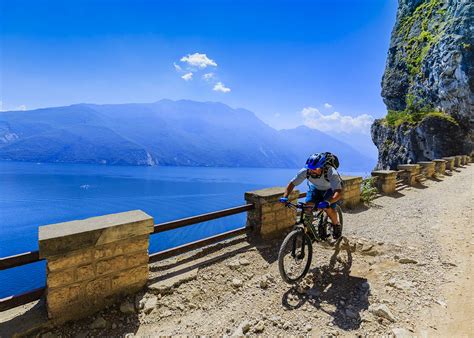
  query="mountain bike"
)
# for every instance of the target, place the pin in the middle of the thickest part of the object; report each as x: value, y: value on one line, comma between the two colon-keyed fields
x: 296, y: 251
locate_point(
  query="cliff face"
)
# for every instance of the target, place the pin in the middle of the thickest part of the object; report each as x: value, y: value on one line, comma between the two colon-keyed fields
x: 428, y: 84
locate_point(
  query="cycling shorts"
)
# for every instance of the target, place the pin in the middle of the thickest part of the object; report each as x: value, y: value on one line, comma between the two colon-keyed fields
x: 314, y: 195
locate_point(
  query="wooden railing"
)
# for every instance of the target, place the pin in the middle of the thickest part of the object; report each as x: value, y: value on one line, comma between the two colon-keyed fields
x: 33, y: 256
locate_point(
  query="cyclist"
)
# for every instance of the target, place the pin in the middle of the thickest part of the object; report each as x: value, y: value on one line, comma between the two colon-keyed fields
x: 325, y: 189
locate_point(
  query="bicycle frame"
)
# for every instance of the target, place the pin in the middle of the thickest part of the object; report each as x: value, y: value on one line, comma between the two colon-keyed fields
x: 302, y: 206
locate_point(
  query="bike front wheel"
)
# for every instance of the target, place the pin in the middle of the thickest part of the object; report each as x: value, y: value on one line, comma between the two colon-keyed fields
x: 294, y: 258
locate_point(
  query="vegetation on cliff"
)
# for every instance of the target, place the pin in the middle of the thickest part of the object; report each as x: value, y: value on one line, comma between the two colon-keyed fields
x: 414, y: 113
x: 420, y: 31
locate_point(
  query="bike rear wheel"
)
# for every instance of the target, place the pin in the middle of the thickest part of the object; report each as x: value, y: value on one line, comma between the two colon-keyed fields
x: 294, y: 258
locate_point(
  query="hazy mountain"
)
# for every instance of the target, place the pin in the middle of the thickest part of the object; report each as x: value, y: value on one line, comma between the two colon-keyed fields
x: 182, y: 133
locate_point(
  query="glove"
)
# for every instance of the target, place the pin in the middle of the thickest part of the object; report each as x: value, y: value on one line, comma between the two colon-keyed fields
x: 323, y: 205
x: 283, y: 199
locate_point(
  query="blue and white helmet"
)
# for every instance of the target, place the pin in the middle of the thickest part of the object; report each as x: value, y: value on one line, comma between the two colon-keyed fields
x: 316, y: 161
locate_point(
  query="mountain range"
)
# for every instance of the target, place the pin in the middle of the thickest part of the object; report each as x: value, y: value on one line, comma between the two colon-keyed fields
x: 168, y: 133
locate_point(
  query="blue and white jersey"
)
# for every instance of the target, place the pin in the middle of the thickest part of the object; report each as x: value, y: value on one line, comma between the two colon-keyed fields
x: 333, y: 179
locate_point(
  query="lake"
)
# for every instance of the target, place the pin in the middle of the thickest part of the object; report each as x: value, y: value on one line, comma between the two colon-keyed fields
x: 35, y: 194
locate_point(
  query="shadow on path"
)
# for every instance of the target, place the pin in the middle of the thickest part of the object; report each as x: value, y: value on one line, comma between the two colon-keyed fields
x: 331, y: 289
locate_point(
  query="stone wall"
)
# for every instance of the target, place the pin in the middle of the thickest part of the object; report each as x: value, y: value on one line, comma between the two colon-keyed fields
x: 440, y: 166
x: 427, y: 168
x: 385, y: 180
x: 93, y: 262
x: 449, y: 162
x: 411, y: 171
x: 270, y: 217
x: 351, y: 190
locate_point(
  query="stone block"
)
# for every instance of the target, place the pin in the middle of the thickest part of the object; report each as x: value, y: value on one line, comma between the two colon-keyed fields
x: 67, y: 260
x: 61, y: 297
x: 60, y: 238
x: 411, y: 171
x: 92, y: 262
x: 85, y: 272
x: 269, y: 214
x: 98, y: 288
x: 60, y: 278
x: 110, y: 265
x: 126, y: 281
x: 270, y: 229
x: 409, y: 167
x: 137, y: 259
x: 457, y: 160
x: 351, y: 202
x: 351, y: 180
x: 268, y: 218
x: 428, y: 168
x: 385, y: 180
x: 449, y: 162
x: 264, y: 195
x: 440, y: 166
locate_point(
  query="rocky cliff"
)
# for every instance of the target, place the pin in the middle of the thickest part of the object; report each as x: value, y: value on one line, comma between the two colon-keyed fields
x: 428, y: 84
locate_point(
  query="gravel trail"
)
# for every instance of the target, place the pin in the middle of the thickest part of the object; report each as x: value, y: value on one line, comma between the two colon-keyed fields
x: 410, y: 275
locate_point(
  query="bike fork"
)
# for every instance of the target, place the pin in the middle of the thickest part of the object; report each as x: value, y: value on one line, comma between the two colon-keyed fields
x: 293, y: 249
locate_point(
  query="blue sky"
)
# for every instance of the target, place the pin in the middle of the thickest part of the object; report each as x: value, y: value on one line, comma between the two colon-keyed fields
x: 284, y: 60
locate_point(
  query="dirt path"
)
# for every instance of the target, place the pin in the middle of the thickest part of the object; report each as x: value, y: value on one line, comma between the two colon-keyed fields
x: 411, y: 274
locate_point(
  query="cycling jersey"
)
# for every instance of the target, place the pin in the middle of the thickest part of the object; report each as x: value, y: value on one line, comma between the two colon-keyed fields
x: 333, y: 180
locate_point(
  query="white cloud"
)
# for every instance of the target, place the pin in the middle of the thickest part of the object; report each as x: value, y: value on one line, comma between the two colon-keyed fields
x: 219, y: 87
x: 187, y: 76
x: 177, y: 67
x: 198, y: 60
x: 208, y: 76
x: 327, y: 105
x: 336, y: 122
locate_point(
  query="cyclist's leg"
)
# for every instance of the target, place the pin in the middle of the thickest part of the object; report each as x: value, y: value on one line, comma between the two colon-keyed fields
x: 331, y: 211
x: 310, y: 200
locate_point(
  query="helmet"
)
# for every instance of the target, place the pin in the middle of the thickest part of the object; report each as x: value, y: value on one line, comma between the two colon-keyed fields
x: 316, y: 161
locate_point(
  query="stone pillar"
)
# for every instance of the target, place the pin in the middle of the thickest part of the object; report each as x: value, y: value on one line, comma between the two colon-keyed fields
x: 440, y: 166
x: 385, y: 180
x: 427, y: 168
x: 351, y: 190
x: 449, y: 162
x: 270, y: 217
x: 93, y: 262
x: 457, y: 160
x: 412, y: 170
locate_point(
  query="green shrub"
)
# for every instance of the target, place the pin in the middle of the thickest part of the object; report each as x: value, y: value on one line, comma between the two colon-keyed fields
x: 368, y: 190
x: 414, y: 113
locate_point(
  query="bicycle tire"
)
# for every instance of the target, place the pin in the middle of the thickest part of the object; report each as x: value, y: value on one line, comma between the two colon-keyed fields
x: 305, y: 241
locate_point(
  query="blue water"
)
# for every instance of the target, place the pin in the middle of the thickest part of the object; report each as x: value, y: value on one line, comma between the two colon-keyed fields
x: 38, y: 194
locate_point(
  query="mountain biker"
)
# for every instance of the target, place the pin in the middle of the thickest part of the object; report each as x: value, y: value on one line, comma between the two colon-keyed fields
x: 325, y: 189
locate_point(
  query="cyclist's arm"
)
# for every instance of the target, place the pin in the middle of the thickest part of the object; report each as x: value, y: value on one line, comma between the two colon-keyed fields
x: 289, y: 189
x: 336, y: 186
x: 336, y: 197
